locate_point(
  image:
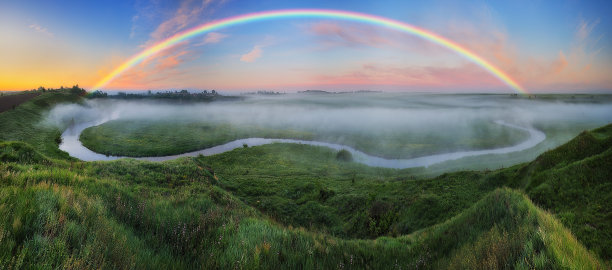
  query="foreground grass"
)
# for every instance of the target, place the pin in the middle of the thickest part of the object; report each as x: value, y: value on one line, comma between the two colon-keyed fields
x: 80, y: 215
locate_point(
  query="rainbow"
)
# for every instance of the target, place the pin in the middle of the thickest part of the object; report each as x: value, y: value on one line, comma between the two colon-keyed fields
x: 308, y: 13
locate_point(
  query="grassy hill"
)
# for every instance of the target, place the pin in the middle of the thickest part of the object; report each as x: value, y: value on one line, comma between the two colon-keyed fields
x: 287, y: 206
x: 25, y: 123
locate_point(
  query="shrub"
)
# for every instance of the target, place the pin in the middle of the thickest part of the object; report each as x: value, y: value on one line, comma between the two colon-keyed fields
x: 344, y: 155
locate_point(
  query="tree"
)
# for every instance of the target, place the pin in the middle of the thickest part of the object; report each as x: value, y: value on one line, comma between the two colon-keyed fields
x: 97, y: 94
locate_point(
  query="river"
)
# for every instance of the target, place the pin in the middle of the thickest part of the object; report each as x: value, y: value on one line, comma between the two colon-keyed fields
x: 74, y: 147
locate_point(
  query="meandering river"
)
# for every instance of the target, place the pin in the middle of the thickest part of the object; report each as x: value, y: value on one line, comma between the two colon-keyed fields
x: 74, y: 147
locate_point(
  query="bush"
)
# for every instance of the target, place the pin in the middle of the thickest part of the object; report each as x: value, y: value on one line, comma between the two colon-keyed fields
x: 344, y: 155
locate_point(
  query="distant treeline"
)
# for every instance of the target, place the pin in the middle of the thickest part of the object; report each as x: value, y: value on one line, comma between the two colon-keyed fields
x: 341, y: 92
x: 264, y: 93
x: 182, y: 95
x: 75, y: 89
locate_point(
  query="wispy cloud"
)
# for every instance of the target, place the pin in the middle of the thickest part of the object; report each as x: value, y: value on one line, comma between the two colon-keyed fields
x: 334, y: 34
x: 43, y: 30
x: 584, y: 29
x: 133, y: 29
x: 467, y: 75
x: 172, y: 60
x: 188, y: 13
x: 211, y: 38
x: 557, y: 69
x: 251, y: 56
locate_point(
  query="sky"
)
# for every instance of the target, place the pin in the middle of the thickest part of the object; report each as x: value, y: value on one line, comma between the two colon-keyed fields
x: 545, y: 46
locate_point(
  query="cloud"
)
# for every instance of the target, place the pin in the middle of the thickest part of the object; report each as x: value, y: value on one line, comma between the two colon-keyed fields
x: 172, y: 60
x: 584, y: 29
x: 556, y: 70
x: 467, y: 75
x: 134, y: 26
x: 330, y: 35
x: 333, y: 34
x: 252, y: 55
x: 211, y: 38
x: 346, y: 35
x: 41, y: 29
x: 158, y: 67
x: 560, y: 64
x: 188, y: 13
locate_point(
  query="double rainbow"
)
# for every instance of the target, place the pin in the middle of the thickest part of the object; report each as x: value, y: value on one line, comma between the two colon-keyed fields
x: 301, y: 13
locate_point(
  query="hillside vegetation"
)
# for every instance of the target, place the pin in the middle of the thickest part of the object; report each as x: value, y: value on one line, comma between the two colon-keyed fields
x: 288, y: 206
x: 26, y: 122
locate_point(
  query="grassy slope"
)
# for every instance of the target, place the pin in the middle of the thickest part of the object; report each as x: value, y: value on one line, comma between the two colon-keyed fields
x: 25, y: 123
x: 125, y: 214
x: 573, y: 181
x: 293, y: 183
x: 176, y: 214
x: 306, y: 186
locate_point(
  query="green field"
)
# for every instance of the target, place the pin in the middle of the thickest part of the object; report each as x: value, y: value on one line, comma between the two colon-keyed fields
x: 141, y: 138
x: 291, y: 206
x: 161, y: 138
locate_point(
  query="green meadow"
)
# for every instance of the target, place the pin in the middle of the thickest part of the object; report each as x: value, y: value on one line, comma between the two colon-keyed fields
x: 289, y: 206
x: 138, y: 138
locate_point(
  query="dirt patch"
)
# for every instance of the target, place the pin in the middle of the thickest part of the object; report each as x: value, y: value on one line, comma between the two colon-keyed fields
x: 10, y: 102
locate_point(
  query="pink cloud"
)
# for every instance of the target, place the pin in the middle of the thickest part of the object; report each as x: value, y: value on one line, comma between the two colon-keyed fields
x: 334, y: 34
x: 166, y: 62
x: 36, y: 27
x: 542, y: 71
x: 187, y: 14
x: 561, y: 63
x: 161, y: 67
x: 211, y: 38
x: 171, y: 61
x: 468, y: 75
x: 251, y: 56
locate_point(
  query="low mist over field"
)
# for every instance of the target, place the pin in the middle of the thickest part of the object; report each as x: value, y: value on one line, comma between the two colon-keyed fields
x: 419, y: 123
x: 355, y: 112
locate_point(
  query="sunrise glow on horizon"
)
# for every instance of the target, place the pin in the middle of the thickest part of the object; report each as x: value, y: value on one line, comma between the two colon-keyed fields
x: 481, y: 47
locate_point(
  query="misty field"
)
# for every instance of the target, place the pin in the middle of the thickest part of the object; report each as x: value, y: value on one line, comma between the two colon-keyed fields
x: 385, y: 125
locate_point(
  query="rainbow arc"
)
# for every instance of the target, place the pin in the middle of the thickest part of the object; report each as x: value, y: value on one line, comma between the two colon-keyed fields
x: 310, y: 13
